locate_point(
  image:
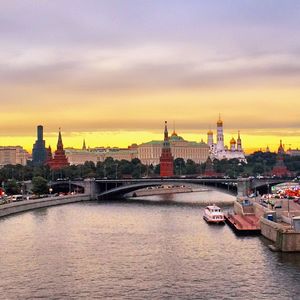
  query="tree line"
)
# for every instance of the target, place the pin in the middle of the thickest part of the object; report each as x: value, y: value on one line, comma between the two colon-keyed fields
x: 12, y: 176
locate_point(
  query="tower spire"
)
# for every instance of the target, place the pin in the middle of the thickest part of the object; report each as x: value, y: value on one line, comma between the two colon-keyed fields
x: 59, y: 142
x: 166, y: 134
x: 84, y: 145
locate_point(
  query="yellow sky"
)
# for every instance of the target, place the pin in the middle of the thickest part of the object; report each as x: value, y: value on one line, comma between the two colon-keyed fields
x: 264, y: 115
x: 113, y: 71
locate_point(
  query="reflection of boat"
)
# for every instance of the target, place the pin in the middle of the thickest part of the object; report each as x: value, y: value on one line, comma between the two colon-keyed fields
x: 213, y: 215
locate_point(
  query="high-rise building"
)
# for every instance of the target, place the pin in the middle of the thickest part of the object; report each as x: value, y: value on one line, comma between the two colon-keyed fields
x: 39, y: 154
x: 59, y: 160
x: 166, y: 158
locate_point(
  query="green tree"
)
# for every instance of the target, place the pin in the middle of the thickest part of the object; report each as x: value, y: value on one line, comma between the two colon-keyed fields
x: 12, y: 187
x: 179, y: 166
x: 39, y: 185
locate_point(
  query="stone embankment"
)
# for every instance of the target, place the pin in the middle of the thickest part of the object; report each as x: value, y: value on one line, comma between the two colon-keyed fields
x: 17, y: 207
x: 167, y: 190
x: 275, y: 224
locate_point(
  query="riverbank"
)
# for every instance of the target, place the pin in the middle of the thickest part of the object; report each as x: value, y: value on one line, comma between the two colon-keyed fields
x: 166, y: 189
x: 198, y: 197
x: 26, y: 205
x: 279, y: 225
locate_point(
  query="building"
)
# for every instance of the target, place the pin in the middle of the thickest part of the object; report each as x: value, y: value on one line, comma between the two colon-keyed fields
x: 59, y: 160
x: 166, y: 158
x: 293, y: 152
x: 219, y: 151
x: 13, y: 155
x: 280, y: 169
x: 39, y: 154
x: 80, y: 156
x: 149, y: 153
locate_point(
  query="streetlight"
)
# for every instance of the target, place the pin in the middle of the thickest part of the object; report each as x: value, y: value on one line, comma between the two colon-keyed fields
x: 116, y: 171
x: 69, y: 186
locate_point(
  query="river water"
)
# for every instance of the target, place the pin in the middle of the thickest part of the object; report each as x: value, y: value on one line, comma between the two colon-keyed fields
x: 138, y: 250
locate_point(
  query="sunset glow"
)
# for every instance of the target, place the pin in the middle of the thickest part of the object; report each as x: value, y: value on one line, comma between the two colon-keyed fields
x: 112, y: 71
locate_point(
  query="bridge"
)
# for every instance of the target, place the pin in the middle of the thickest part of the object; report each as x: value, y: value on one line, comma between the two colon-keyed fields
x: 105, y: 188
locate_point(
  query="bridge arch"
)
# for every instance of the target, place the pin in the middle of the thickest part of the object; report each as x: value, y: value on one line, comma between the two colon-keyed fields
x: 120, y: 188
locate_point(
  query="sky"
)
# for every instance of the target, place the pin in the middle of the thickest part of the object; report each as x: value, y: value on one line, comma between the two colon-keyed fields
x: 113, y: 71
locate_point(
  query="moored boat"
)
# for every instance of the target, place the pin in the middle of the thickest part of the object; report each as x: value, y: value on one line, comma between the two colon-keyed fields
x: 213, y: 215
x: 243, y: 224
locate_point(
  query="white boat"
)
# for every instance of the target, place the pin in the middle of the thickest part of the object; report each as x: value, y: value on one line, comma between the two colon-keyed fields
x: 213, y: 214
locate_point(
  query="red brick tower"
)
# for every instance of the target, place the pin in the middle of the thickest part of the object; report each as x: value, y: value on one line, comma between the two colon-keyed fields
x: 280, y: 168
x: 59, y: 160
x: 166, y: 159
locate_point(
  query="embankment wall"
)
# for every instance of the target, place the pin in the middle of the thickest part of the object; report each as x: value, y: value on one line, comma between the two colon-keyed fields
x: 26, y: 205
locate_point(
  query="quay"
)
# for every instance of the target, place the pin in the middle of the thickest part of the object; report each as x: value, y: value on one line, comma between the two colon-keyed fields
x: 26, y: 205
x: 166, y: 189
x: 281, y: 225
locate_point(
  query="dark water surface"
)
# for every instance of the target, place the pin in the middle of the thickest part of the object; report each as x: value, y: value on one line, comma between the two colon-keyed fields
x: 118, y: 250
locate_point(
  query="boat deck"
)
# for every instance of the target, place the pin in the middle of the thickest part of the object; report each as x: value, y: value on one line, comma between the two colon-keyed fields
x: 243, y: 224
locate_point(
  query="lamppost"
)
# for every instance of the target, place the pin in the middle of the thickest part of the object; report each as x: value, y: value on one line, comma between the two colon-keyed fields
x: 116, y: 171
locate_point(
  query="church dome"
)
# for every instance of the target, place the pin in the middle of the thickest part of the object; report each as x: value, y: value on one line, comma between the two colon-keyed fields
x: 174, y: 134
x: 210, y: 132
x: 232, y: 141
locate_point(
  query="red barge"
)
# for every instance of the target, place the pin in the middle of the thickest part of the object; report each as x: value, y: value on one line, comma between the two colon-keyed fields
x: 243, y: 224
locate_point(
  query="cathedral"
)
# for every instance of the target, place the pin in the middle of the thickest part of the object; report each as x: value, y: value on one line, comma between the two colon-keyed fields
x: 219, y: 151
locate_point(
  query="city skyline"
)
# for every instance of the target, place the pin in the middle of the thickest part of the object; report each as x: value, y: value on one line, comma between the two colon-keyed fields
x: 76, y: 141
x: 112, y: 72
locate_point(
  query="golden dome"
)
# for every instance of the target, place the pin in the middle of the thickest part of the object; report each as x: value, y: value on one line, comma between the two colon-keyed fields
x: 210, y: 132
x: 232, y: 141
x: 174, y: 133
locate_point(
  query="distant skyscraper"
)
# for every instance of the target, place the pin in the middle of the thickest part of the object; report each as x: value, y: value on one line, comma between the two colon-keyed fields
x: 39, y: 154
x: 166, y: 159
x: 59, y: 160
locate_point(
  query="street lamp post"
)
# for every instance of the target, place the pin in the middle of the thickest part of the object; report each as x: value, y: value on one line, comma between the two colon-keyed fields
x: 69, y: 186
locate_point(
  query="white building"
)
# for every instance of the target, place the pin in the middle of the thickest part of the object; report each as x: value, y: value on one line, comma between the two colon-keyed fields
x: 219, y: 151
x: 293, y: 152
x: 80, y: 156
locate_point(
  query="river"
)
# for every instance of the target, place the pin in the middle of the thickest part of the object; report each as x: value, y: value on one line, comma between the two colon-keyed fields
x: 138, y: 250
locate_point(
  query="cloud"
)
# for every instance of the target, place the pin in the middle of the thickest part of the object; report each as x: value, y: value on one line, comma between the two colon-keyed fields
x: 143, y: 68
